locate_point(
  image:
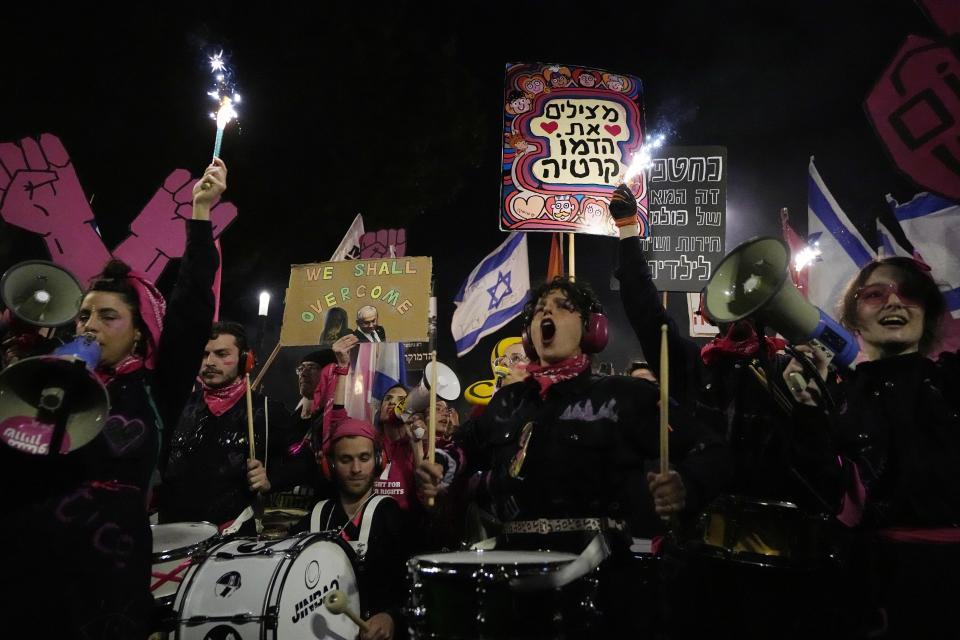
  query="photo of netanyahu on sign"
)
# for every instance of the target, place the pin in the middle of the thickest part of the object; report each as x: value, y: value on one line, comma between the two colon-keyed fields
x: 368, y: 327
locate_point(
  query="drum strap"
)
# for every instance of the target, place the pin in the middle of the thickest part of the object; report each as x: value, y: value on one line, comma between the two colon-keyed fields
x: 360, y: 544
x: 591, y: 557
x: 315, y: 516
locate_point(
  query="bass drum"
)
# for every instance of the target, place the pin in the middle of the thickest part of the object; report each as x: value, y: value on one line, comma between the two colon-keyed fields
x: 247, y: 589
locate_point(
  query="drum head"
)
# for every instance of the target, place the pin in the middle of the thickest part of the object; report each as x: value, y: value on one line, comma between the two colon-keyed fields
x: 496, y: 557
x: 177, y: 540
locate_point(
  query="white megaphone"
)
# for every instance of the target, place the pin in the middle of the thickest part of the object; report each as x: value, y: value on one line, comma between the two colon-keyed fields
x: 752, y: 281
x: 40, y: 293
x: 53, y: 403
x: 418, y: 400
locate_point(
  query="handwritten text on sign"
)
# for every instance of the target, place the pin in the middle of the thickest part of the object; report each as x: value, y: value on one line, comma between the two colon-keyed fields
x: 569, y: 135
x: 323, y: 300
x: 688, y: 202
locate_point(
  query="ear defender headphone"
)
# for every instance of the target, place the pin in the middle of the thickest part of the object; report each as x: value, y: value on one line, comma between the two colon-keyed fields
x: 326, y: 461
x: 246, y: 362
x: 594, y: 338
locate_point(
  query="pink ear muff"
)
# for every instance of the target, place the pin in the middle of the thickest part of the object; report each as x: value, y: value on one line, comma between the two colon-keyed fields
x: 596, y: 334
x: 594, y: 340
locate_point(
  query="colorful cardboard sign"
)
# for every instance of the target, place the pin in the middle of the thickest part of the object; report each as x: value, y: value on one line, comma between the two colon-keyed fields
x: 570, y: 134
x: 325, y: 300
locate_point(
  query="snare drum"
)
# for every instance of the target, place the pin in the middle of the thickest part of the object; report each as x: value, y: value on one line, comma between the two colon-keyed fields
x: 247, y: 588
x: 175, y: 545
x: 468, y: 594
x: 762, y: 533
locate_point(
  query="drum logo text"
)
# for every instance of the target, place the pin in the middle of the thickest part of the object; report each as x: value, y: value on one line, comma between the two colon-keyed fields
x: 313, y: 601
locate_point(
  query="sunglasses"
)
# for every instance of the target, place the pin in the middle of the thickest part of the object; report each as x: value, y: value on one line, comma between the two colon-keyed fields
x: 875, y: 295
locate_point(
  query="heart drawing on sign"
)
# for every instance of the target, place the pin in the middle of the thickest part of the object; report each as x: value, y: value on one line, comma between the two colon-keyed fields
x: 527, y: 208
x: 549, y: 127
x: 613, y: 129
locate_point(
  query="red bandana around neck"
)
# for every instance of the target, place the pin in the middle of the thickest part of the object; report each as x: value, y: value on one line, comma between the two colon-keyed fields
x: 125, y: 366
x: 548, y: 375
x: 221, y: 399
x: 716, y: 349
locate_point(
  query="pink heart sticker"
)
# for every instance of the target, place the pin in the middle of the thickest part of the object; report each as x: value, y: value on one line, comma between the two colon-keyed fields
x: 613, y: 129
x: 549, y: 127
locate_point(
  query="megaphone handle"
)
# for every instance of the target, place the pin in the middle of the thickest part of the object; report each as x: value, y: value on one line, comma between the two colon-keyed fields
x: 59, y: 430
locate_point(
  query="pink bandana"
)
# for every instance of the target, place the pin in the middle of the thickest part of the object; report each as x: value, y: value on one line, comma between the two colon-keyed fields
x: 547, y: 376
x: 125, y: 366
x: 152, y: 309
x: 221, y: 399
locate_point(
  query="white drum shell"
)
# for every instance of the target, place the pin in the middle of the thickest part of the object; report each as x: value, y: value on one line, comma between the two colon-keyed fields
x: 173, y: 543
x: 267, y: 589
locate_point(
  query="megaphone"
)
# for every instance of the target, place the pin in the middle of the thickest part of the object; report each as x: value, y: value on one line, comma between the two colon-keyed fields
x: 752, y: 281
x: 448, y: 388
x: 51, y: 403
x: 40, y: 293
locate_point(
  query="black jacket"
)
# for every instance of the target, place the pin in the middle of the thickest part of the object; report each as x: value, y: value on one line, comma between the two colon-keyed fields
x: 593, y: 440
x: 206, y: 475
x: 380, y: 331
x: 899, y: 421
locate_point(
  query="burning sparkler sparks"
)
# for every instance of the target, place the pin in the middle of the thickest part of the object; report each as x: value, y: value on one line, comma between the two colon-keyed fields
x: 225, y: 95
x: 643, y: 157
x: 806, y: 256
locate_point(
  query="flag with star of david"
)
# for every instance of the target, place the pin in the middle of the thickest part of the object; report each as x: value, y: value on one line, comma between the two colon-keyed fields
x: 493, y: 294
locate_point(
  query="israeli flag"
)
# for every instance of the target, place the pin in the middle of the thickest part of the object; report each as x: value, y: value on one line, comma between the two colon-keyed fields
x: 843, y: 251
x: 493, y: 294
x: 932, y: 225
x: 887, y: 246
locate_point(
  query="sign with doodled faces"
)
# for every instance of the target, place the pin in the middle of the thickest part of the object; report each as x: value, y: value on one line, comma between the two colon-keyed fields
x: 570, y: 134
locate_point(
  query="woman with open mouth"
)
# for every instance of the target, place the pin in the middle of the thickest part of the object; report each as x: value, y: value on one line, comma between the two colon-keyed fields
x: 897, y: 431
x: 565, y: 455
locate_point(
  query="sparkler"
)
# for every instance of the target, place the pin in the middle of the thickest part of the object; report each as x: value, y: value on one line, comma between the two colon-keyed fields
x: 806, y: 256
x: 225, y: 95
x: 643, y: 157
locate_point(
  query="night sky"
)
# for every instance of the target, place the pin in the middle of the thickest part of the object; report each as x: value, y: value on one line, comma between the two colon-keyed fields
x: 394, y: 111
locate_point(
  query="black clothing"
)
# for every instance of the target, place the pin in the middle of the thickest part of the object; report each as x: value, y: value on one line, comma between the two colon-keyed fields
x: 206, y: 476
x: 382, y: 569
x: 592, y: 441
x: 899, y: 422
x: 901, y: 425
x: 725, y: 396
x: 380, y: 331
x: 75, y: 532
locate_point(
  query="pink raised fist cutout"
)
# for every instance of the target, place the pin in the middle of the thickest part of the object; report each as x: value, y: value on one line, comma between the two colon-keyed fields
x: 40, y: 192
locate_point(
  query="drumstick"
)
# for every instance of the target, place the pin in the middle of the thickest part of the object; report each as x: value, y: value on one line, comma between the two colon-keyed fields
x: 336, y: 603
x: 432, y: 427
x: 257, y: 500
x: 664, y: 401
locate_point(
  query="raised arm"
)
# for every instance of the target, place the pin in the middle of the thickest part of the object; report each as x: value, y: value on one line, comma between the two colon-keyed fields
x: 643, y: 305
x: 186, y: 325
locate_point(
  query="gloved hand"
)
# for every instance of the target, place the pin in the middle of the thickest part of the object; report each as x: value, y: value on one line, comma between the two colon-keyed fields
x: 623, y: 206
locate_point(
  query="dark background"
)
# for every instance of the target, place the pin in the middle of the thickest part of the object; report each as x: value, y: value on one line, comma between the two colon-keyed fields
x: 394, y: 111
